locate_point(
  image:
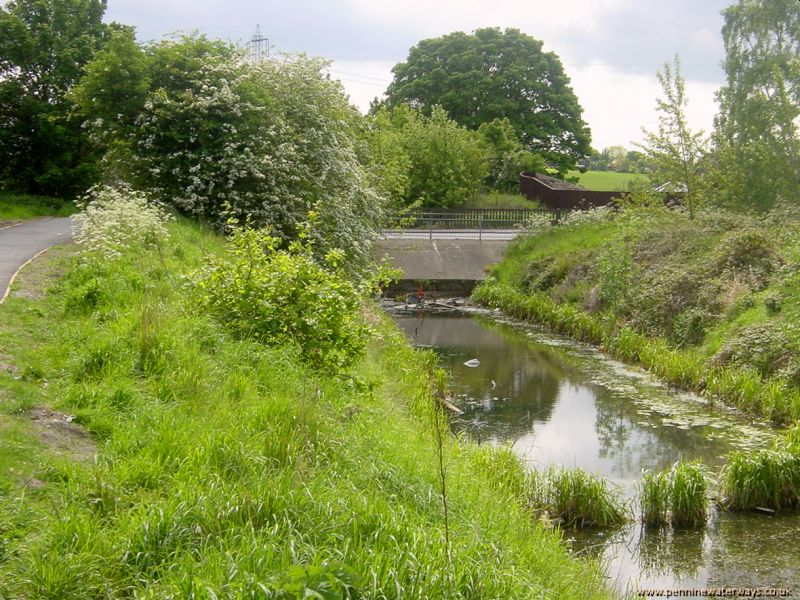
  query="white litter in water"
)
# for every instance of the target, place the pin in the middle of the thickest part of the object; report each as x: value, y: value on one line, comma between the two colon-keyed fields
x: 474, y: 362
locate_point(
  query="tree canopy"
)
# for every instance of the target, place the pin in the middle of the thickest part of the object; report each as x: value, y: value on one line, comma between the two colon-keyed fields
x: 44, y: 45
x: 491, y: 74
x: 756, y: 137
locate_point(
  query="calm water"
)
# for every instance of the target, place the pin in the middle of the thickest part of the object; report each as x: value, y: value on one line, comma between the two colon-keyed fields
x: 559, y: 402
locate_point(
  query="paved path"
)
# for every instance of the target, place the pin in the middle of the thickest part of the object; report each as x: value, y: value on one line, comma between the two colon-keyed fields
x: 20, y: 243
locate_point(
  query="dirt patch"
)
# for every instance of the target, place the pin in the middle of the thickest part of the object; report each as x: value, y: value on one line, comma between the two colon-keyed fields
x: 7, y: 364
x: 7, y: 223
x: 34, y: 281
x: 59, y: 433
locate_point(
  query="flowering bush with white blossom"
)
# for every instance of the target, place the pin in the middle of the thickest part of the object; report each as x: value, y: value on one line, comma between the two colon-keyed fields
x: 113, y: 220
x: 598, y: 214
x: 198, y: 127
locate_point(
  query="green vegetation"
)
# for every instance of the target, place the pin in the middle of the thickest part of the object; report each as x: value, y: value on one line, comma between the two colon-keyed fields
x: 424, y: 161
x: 44, y: 46
x: 676, y: 496
x: 197, y: 128
x: 227, y: 467
x: 509, y: 77
x: 674, y: 151
x: 499, y: 200
x: 607, y: 181
x: 569, y: 497
x: 20, y: 207
x: 709, y: 305
x: 767, y: 478
x: 755, y: 163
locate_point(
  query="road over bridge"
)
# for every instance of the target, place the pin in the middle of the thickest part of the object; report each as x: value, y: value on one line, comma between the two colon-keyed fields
x: 448, y: 253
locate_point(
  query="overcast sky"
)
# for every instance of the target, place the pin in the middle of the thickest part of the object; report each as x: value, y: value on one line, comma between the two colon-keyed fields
x: 611, y: 49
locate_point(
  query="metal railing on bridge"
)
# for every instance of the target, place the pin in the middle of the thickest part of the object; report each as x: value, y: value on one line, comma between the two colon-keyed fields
x: 485, y: 223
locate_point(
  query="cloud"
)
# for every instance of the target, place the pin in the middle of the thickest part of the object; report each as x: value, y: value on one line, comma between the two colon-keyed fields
x: 617, y: 105
x: 445, y: 16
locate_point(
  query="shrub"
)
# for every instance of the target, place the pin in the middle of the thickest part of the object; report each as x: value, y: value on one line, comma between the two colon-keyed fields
x: 283, y: 296
x: 598, y: 214
x: 112, y: 220
x: 536, y: 223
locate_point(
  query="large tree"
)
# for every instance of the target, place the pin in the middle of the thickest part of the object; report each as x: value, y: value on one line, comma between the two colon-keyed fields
x: 491, y: 74
x: 44, y: 45
x: 757, y: 142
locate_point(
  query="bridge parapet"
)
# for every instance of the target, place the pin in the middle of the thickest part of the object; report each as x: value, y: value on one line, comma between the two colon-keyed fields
x: 489, y: 223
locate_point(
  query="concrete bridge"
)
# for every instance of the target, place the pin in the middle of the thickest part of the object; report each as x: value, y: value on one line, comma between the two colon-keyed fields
x: 447, y: 253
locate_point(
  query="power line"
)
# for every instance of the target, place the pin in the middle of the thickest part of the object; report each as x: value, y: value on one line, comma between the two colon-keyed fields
x: 259, y: 46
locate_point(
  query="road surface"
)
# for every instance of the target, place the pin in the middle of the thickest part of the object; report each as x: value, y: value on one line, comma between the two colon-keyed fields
x: 20, y: 243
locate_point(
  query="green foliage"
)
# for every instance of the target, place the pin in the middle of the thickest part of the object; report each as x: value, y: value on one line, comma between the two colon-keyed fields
x: 284, y: 297
x: 674, y: 151
x: 110, y: 95
x: 470, y: 76
x: 198, y: 128
x: 325, y: 582
x: 44, y: 46
x: 507, y: 156
x: 756, y: 160
x: 425, y: 160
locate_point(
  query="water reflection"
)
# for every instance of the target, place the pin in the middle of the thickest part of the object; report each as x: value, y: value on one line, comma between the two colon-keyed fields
x: 539, y: 398
x: 564, y: 403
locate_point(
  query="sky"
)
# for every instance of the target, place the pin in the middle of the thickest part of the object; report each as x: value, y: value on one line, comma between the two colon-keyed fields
x: 611, y: 49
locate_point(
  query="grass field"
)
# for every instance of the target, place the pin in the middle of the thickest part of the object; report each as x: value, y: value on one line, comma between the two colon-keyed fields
x: 149, y: 452
x: 607, y: 180
x: 20, y: 207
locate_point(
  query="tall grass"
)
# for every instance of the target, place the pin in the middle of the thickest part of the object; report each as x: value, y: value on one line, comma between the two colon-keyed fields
x: 569, y: 497
x: 768, y: 478
x: 579, y: 498
x: 231, y: 469
x: 677, y: 496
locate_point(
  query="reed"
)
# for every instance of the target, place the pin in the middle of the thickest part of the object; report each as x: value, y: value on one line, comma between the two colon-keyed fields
x: 768, y: 478
x: 676, y: 496
x: 654, y: 498
x: 688, y: 501
x: 577, y: 497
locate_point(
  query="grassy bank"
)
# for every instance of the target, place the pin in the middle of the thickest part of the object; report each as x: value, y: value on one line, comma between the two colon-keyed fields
x: 227, y: 468
x: 21, y: 207
x: 710, y: 305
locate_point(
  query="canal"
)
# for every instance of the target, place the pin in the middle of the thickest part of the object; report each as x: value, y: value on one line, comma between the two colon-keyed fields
x: 558, y: 402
